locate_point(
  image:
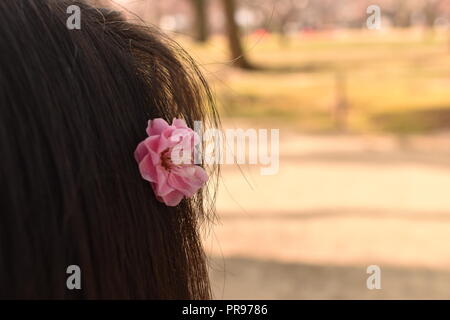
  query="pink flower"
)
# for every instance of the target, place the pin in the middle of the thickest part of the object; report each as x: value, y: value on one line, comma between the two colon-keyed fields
x: 166, y: 160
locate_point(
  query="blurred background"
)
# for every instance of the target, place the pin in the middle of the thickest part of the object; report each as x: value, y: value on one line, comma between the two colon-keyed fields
x: 364, y: 119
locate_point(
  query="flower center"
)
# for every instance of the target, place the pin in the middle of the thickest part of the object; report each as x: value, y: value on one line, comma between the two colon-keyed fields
x: 166, y: 161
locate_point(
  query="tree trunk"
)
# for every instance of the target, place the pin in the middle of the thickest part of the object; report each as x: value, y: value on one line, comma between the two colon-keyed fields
x: 201, y: 23
x: 431, y: 11
x: 402, y: 17
x: 234, y: 41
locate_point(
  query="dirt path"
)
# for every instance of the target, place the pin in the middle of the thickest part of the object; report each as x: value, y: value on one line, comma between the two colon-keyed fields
x: 337, y: 205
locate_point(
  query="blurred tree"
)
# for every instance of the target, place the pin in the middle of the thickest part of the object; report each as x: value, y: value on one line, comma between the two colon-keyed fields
x: 431, y: 10
x: 280, y: 16
x: 201, y: 21
x: 402, y: 14
x: 234, y: 41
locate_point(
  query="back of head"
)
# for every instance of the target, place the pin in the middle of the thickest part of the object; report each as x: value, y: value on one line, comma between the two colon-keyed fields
x: 73, y: 106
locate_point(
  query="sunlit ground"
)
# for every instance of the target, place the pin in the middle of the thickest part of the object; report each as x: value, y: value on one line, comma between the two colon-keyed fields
x: 374, y: 193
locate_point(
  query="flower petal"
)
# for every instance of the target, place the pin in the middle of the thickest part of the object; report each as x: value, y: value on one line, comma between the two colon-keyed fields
x: 152, y: 144
x: 140, y: 152
x: 179, y: 123
x: 201, y: 175
x: 147, y: 169
x: 188, y: 179
x: 172, y: 199
x: 156, y: 126
x: 162, y: 188
x: 165, y: 141
x: 181, y: 134
x: 179, y: 183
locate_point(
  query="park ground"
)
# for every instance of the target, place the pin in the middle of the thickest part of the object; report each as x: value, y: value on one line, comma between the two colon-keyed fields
x: 372, y: 189
x: 337, y: 205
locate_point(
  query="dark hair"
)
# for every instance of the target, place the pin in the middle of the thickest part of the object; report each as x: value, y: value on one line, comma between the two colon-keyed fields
x: 74, y: 104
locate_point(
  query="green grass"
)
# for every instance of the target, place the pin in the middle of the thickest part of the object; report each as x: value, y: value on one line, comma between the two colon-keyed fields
x: 394, y: 82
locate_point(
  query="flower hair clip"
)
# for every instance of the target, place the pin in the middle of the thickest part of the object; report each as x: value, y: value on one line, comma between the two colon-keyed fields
x: 165, y: 159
